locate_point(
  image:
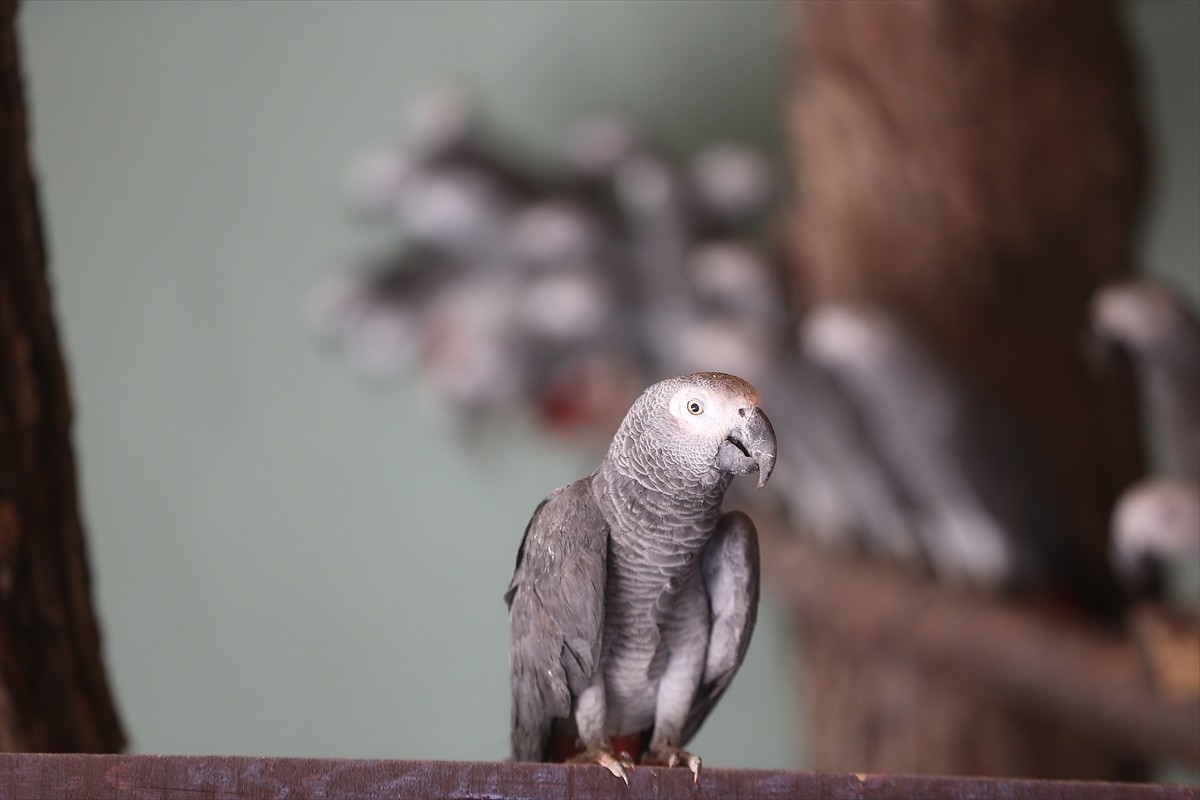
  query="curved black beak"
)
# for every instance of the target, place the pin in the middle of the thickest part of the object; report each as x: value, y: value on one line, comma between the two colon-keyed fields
x: 754, y: 438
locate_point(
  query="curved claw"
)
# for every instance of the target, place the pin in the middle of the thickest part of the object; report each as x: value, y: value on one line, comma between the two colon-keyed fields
x: 673, y: 757
x: 616, y: 764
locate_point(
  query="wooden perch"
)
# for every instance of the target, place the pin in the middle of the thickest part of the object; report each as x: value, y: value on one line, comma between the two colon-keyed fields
x: 1094, y: 682
x: 51, y: 777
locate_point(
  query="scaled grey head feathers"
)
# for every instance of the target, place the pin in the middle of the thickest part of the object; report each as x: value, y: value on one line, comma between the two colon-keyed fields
x: 704, y: 424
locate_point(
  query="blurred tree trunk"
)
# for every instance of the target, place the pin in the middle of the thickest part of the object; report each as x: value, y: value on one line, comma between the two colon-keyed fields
x: 976, y: 166
x: 54, y: 693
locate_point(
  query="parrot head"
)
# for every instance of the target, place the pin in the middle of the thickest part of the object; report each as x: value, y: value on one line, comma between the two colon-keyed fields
x: 1138, y: 315
x: 1155, y: 521
x: 702, y: 422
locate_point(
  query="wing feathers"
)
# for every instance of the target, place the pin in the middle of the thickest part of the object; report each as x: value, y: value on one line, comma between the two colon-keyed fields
x: 556, y: 613
x: 730, y: 570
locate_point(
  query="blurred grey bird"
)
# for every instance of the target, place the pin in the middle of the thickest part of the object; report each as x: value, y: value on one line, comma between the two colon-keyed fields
x: 557, y: 233
x: 470, y: 354
x: 1156, y: 545
x: 557, y: 289
x: 598, y: 143
x: 634, y: 596
x: 734, y: 278
x: 985, y: 506
x: 833, y: 484
x: 1156, y: 522
x: 448, y: 184
x: 712, y: 304
x: 652, y: 199
x: 1163, y: 338
x: 438, y: 122
x: 732, y: 184
x: 376, y: 312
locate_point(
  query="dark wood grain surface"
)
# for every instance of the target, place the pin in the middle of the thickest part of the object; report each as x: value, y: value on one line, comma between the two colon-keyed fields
x: 50, y: 777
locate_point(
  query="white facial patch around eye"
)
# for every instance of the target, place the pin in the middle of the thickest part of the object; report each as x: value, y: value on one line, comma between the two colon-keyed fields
x: 712, y: 409
x: 690, y: 405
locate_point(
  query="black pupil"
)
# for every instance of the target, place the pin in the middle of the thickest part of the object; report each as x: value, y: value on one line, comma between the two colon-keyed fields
x: 694, y: 407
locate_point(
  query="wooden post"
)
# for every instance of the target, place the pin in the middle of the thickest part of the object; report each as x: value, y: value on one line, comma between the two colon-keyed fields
x: 54, y: 693
x: 976, y: 166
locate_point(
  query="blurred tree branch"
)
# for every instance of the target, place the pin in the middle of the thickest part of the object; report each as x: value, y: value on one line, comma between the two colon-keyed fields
x: 989, y: 647
x: 54, y: 693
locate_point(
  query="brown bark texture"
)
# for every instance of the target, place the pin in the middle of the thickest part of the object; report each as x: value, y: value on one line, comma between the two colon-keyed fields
x: 54, y: 692
x: 977, y: 167
x: 1090, y: 683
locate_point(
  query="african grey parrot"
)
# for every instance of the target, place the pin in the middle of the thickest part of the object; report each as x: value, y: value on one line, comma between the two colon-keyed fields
x: 1163, y: 337
x: 834, y: 484
x: 634, y: 596
x: 1156, y: 522
x: 985, y: 506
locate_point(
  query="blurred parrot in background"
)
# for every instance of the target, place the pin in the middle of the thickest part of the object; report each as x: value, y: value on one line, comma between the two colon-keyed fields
x: 1162, y: 336
x: 634, y: 596
x: 518, y: 283
x: 1155, y: 524
x: 1157, y: 520
x: 985, y: 507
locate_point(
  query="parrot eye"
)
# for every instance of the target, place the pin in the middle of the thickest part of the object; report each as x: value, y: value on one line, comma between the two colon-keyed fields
x: 695, y: 407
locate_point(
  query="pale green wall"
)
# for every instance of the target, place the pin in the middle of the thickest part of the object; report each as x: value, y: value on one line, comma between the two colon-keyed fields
x: 1167, y: 33
x: 288, y: 561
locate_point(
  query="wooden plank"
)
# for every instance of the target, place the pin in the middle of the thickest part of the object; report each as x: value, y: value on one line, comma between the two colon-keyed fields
x: 61, y: 776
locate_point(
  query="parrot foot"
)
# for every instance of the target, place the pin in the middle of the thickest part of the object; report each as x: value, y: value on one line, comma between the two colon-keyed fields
x: 673, y: 757
x: 616, y: 764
